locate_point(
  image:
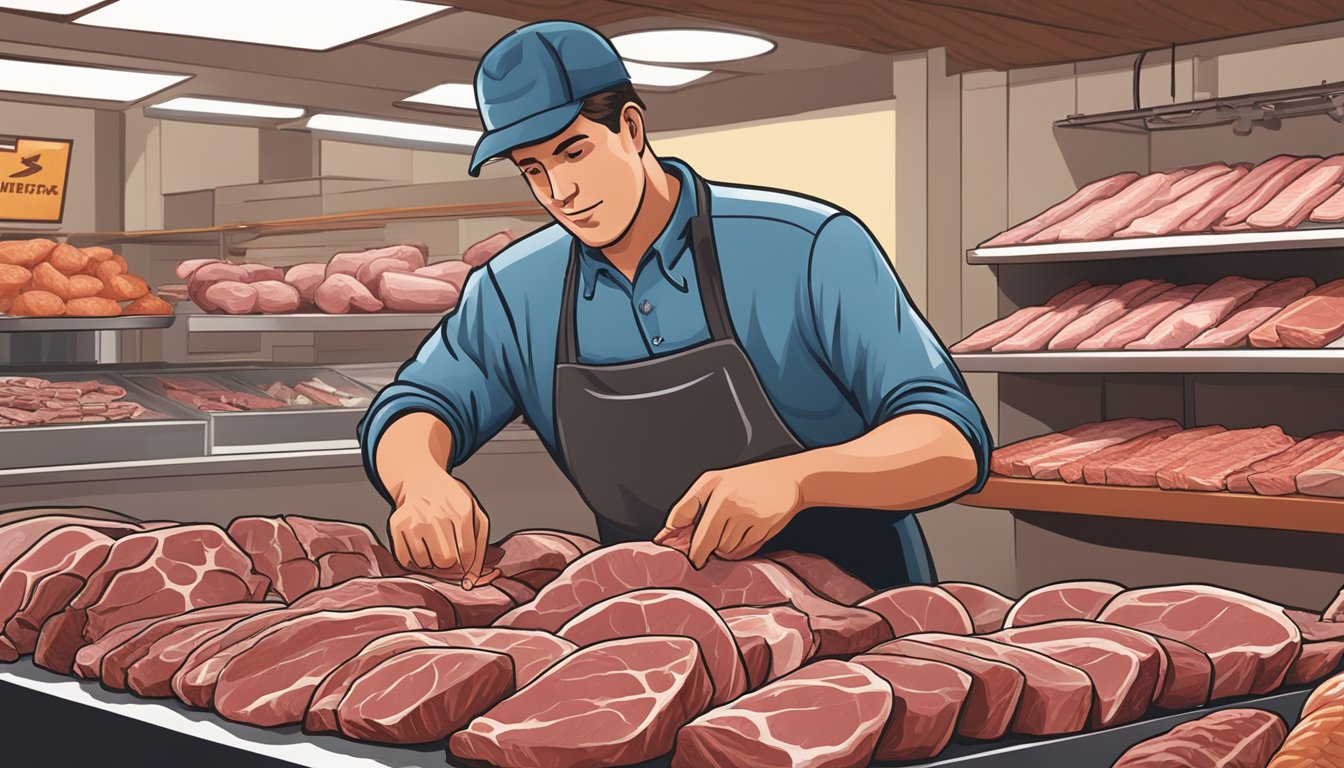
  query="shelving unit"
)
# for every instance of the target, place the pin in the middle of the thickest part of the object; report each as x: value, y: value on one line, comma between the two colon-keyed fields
x: 307, y: 322
x: 1167, y: 245
x: 1329, y: 360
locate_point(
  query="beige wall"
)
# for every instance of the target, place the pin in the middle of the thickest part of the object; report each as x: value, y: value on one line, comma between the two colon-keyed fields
x: 18, y: 119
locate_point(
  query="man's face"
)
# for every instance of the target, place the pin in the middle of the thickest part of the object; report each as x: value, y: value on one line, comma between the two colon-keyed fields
x: 588, y: 178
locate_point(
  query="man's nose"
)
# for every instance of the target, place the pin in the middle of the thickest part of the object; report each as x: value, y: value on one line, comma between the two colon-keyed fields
x: 563, y: 192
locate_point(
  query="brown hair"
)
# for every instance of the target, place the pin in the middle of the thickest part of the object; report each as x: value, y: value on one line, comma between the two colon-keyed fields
x: 605, y: 107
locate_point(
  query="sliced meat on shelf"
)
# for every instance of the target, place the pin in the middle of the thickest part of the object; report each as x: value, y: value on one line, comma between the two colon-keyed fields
x: 403, y: 292
x: 628, y: 697
x: 211, y: 396
x: 988, y: 609
x: 306, y: 278
x: 1046, y: 466
x: 823, y: 576
x: 1220, y: 455
x: 1228, y: 738
x: 1250, y: 642
x: 1189, y: 676
x: 1168, y: 219
x: 1324, y: 479
x: 927, y: 698
x: 1213, y: 305
x: 831, y: 713
x: 1331, y: 211
x: 1277, y: 475
x: 1125, y: 299
x: 1092, y: 469
x: 1140, y: 470
x: 1085, y: 196
x: 1292, y: 206
x: 996, y: 686
x: 1316, y: 307
x: 29, y: 401
x: 1038, y: 333
x: 1317, y: 320
x: 1236, y: 217
x: 1065, y: 601
x: 348, y: 263
x: 1234, y: 195
x: 454, y: 272
x: 1265, y: 304
x: 1103, y: 218
x: 774, y: 640
x: 1317, y: 661
x: 997, y: 331
x: 1136, y: 323
x: 42, y: 582
x: 1012, y: 460
x: 341, y: 294
x: 919, y: 608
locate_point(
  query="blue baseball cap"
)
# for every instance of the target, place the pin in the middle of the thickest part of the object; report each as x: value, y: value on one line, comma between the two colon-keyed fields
x: 531, y: 84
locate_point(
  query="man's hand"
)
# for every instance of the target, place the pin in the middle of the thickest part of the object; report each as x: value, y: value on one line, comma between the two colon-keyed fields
x: 439, y: 524
x: 734, y: 511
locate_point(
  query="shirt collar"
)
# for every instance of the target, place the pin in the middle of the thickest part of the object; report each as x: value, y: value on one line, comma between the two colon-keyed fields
x: 667, y: 248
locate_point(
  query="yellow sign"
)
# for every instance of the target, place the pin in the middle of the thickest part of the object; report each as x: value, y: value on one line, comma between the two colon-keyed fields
x: 33, y: 174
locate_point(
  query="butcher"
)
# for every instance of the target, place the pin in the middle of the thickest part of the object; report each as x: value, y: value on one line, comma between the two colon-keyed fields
x: 733, y: 366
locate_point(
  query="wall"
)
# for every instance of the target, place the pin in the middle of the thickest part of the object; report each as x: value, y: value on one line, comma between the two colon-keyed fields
x: 92, y: 198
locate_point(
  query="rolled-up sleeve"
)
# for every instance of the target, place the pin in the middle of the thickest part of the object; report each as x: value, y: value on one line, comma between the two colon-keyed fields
x: 878, y: 347
x: 460, y: 374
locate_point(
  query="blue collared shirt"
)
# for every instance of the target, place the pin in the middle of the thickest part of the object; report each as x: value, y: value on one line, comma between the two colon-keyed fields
x: 834, y: 339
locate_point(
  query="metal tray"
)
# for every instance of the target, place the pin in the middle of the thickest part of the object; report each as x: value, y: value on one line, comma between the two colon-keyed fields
x: 298, y: 427
x: 375, y: 375
x: 18, y: 324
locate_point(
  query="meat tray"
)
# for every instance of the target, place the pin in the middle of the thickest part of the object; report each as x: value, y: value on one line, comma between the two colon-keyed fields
x: 294, y: 426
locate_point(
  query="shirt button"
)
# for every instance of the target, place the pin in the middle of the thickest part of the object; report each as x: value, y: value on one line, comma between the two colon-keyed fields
x: 656, y: 340
x: 645, y: 307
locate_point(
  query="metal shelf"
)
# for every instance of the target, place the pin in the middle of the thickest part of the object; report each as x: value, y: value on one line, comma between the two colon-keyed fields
x: 23, y: 324
x: 1329, y: 360
x: 1243, y: 112
x: 1290, y: 513
x: 375, y: 321
x: 1167, y: 245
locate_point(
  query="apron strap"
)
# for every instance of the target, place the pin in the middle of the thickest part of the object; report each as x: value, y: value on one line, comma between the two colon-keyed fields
x: 566, y: 342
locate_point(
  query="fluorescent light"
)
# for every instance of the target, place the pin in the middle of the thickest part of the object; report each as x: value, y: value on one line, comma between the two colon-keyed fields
x: 667, y: 77
x: 393, y: 129
x: 82, y: 82
x: 232, y: 108
x: 690, y: 46
x: 460, y: 95
x: 314, y: 25
x: 54, y: 7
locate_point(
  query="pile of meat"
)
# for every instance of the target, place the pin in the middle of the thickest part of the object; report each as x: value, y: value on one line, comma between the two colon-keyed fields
x: 211, y: 396
x: 41, y: 278
x: 1155, y: 315
x: 316, y: 392
x: 27, y: 401
x: 567, y: 655
x: 1158, y: 453
x: 1280, y: 193
x: 394, y: 278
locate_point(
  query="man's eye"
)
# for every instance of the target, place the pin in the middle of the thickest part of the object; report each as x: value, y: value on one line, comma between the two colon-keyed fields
x: 533, y: 172
x: 574, y: 155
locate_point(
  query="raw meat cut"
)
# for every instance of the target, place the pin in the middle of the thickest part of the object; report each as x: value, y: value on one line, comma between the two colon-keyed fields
x: 1318, y: 738
x: 1169, y: 218
x: 276, y: 554
x: 1317, y: 662
x: 519, y: 592
x: 30, y: 401
x: 1040, y: 331
x: 1315, y: 628
x: 1212, y: 213
x: 666, y: 612
x: 1277, y: 475
x: 1127, y: 297
x: 919, y: 608
x: 1219, y: 456
x: 340, y: 294
x: 1092, y: 469
x: 1103, y: 218
x: 1140, y: 470
x: 454, y: 272
x: 1327, y: 694
x: 270, y: 682
x: 1308, y: 323
x: 348, y: 264
x: 1065, y: 601
x: 531, y: 652
x: 482, y: 251
x: 1001, y: 462
x: 404, y: 292
x: 1335, y: 611
x: 1057, y: 697
x: 1213, y: 305
x: 774, y: 640
x: 1324, y: 479
x: 987, y: 608
x: 151, y: 675
x: 524, y: 551
x: 1228, y: 738
x: 18, y: 535
x: 1330, y: 211
x: 1250, y: 642
x: 257, y: 273
x: 830, y: 713
x: 822, y: 576
x: 1128, y: 668
x: 1189, y: 677
x: 1046, y: 466
x: 616, y: 703
x: 1137, y: 323
x: 232, y: 297
x: 306, y: 277
x: 211, y: 394
x: 369, y: 272
x: 1272, y: 186
x: 185, y: 269
x: 156, y: 573
x: 275, y: 297
x: 1291, y: 206
x: 997, y: 331
x: 996, y: 686
x: 1266, y: 303
x: 341, y: 550
x: 424, y: 695
x: 1085, y: 196
x: 927, y: 697
x: 41, y: 582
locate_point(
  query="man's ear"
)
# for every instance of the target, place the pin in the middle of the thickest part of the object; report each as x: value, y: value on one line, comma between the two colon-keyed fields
x: 632, y: 125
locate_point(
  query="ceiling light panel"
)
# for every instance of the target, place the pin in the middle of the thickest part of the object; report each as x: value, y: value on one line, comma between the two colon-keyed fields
x: 82, y: 82
x: 229, y: 108
x: 315, y: 25
x: 54, y: 7
x: 663, y: 77
x: 690, y: 46
x: 459, y: 95
x: 393, y: 129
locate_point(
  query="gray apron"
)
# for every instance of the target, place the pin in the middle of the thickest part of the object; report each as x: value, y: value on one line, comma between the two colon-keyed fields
x: 632, y: 437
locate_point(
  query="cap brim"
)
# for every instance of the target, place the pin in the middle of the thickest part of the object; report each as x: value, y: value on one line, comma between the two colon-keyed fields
x: 538, y: 127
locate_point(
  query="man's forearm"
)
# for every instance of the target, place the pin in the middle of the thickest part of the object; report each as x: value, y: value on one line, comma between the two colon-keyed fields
x: 910, y: 462
x: 412, y: 445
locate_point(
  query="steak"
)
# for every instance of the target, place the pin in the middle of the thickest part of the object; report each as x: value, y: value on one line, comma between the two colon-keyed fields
x: 1324, y: 479
x: 1228, y: 738
x: 151, y: 674
x: 1316, y: 307
x: 927, y: 697
x: 1140, y: 198
x: 1189, y: 681
x: 1038, y: 333
x: 271, y: 681
x: 831, y: 713
x: 1057, y: 697
x: 524, y: 551
x: 126, y: 650
x: 1125, y: 298
x: 615, y: 703
x: 997, y: 331
x: 156, y: 573
x: 1277, y: 475
x: 667, y: 612
x: 1250, y: 642
x: 1268, y: 189
x: 918, y: 608
x: 1169, y: 218
x: 342, y: 294
x: 1314, y: 321
x: 987, y: 608
x: 1220, y: 455
x: 1317, y: 662
x: 424, y: 695
x: 531, y: 652
x: 1065, y: 601
x: 1213, y: 305
x: 17, y: 536
x: 1292, y: 206
x: 1266, y: 303
x: 1046, y: 466
x: 276, y: 554
x: 1140, y: 470
x: 1137, y: 323
x: 774, y: 640
x: 1001, y: 462
x: 1218, y: 207
x: 1087, y: 195
x: 1317, y: 738
x: 1127, y: 667
x: 1314, y: 628
x: 822, y: 576
x: 996, y: 686
x: 1330, y: 211
x: 1092, y: 469
x: 42, y: 582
